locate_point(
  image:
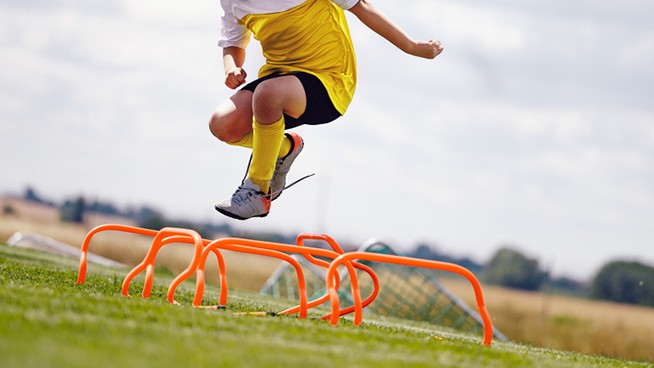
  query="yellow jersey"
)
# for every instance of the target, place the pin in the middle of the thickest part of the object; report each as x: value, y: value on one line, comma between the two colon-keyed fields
x: 309, y: 36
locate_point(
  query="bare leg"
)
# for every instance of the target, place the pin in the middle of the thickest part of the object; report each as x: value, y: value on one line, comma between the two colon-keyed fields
x: 277, y: 96
x: 271, y: 100
x: 263, y: 117
x: 232, y: 120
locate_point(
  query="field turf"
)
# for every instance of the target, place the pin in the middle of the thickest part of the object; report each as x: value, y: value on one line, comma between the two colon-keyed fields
x: 47, y: 320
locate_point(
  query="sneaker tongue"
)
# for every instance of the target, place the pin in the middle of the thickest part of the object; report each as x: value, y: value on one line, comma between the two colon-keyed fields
x: 249, y: 185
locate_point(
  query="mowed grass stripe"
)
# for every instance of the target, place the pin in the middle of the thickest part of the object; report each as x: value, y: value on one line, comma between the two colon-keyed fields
x: 46, y: 320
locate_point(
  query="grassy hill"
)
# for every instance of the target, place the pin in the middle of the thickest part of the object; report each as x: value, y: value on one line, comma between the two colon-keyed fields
x: 48, y: 320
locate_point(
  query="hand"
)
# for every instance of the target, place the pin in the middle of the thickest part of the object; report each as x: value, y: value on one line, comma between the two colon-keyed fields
x: 427, y: 50
x: 235, y: 77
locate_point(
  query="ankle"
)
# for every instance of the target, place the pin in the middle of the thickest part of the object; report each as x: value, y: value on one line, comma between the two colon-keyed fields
x: 287, y: 147
x: 264, y: 185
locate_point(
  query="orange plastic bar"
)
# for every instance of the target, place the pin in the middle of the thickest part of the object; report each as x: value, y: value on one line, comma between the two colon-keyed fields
x: 405, y: 261
x: 264, y: 246
x: 170, y: 296
x: 368, y: 270
x: 149, y: 270
x: 222, y: 269
x: 300, y: 243
x: 163, y: 237
x: 318, y: 262
x: 81, y: 276
x: 241, y: 245
x: 367, y: 301
x: 148, y: 264
x: 160, y: 240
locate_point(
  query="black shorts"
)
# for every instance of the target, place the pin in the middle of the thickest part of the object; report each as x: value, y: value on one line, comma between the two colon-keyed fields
x: 320, y: 109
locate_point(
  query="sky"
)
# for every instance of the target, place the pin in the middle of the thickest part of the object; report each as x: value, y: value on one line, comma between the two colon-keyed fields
x: 533, y: 129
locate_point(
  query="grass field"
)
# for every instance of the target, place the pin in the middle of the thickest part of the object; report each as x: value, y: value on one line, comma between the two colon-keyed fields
x: 48, y: 320
x: 568, y: 323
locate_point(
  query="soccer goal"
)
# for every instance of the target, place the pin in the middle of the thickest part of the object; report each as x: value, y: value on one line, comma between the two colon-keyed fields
x: 407, y: 292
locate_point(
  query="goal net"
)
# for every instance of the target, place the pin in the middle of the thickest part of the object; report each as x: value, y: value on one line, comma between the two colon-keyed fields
x: 405, y: 292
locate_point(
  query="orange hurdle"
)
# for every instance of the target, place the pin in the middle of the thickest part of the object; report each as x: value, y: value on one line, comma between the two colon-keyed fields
x: 81, y: 275
x: 280, y: 251
x: 332, y: 243
x: 173, y: 235
x: 161, y: 238
x: 229, y: 244
x: 263, y: 248
x: 405, y: 261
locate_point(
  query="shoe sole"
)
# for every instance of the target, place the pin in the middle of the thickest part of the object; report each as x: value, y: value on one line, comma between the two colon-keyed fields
x: 234, y: 216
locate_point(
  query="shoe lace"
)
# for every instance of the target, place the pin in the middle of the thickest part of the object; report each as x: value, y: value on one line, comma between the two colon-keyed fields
x: 243, y: 194
x: 249, y: 191
x: 290, y: 185
x: 279, y: 163
x: 247, y: 169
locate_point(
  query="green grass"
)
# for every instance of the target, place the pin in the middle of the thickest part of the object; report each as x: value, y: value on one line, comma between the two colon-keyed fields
x: 46, y: 320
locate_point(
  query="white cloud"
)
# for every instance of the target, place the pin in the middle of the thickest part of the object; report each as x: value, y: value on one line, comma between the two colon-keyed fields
x: 534, y: 126
x: 475, y: 25
x: 172, y: 14
x: 636, y: 53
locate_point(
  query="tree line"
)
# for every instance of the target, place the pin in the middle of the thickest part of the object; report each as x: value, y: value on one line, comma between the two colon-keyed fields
x: 624, y: 281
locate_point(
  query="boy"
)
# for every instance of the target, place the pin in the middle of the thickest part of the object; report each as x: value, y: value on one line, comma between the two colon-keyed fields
x: 309, y: 78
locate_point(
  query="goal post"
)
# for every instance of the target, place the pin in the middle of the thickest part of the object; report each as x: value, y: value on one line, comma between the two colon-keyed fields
x: 410, y: 293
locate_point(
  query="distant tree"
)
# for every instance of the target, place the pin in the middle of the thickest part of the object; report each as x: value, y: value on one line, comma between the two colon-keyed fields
x: 568, y: 286
x: 431, y: 252
x: 625, y: 282
x: 73, y: 210
x: 31, y: 195
x: 510, y: 268
x: 423, y: 251
x: 104, y: 208
x: 472, y: 265
x: 150, y: 218
x: 217, y: 229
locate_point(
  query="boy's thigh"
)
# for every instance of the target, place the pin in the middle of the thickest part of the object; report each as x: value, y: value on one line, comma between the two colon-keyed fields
x: 235, y: 113
x: 284, y: 92
x: 318, y: 109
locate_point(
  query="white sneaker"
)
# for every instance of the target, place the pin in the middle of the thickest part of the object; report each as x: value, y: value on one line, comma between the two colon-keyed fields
x: 248, y: 201
x: 283, y: 166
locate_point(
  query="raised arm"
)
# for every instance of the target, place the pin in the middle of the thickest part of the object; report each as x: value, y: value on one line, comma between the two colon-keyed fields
x: 233, y: 59
x: 374, y: 19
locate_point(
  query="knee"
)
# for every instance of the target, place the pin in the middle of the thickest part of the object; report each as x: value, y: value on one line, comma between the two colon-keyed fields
x: 266, y: 96
x: 267, y: 89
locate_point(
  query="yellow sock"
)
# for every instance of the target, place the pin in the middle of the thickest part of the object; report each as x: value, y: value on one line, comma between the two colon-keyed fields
x: 246, y: 142
x: 286, y: 147
x: 266, y: 144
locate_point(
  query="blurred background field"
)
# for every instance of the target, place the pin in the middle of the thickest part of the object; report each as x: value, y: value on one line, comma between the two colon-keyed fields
x: 92, y: 324
x: 539, y: 318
